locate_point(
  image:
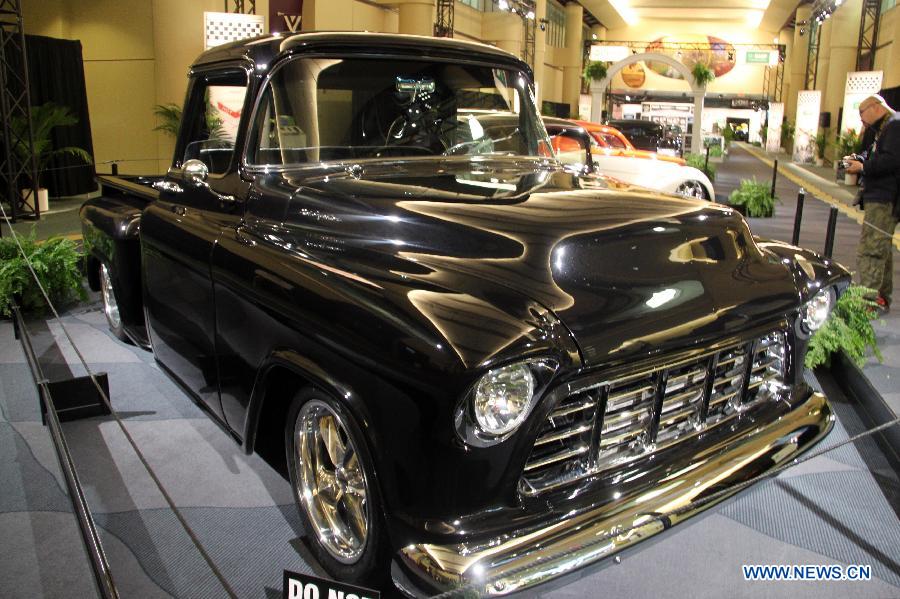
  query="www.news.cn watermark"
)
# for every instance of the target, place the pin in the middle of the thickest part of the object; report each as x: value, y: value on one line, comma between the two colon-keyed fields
x: 807, y: 572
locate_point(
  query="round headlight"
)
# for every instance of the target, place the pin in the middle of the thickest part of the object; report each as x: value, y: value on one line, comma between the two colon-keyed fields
x: 502, y: 398
x: 816, y: 310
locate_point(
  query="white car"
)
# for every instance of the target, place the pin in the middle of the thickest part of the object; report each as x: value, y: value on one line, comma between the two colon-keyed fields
x: 649, y: 172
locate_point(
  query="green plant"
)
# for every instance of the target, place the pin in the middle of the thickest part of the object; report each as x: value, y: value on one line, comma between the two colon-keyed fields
x: 787, y: 134
x: 763, y: 134
x: 821, y: 143
x: 595, y: 71
x: 55, y: 261
x: 702, y: 74
x: 715, y: 151
x: 169, y: 116
x: 44, y: 119
x: 728, y: 135
x: 848, y: 143
x: 698, y: 161
x: 848, y: 328
x: 754, y: 197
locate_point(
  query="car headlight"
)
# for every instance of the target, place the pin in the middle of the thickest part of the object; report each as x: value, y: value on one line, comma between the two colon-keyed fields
x: 502, y: 398
x: 500, y: 401
x: 815, y: 312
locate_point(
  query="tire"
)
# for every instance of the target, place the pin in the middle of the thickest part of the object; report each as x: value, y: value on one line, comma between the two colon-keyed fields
x: 692, y: 189
x: 111, y: 305
x: 335, y: 489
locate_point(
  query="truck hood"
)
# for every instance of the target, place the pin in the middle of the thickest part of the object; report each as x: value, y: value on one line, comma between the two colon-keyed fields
x: 628, y: 272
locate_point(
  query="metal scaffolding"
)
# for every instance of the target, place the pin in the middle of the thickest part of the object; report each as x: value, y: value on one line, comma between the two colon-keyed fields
x: 443, y: 27
x: 18, y: 163
x: 812, y: 54
x: 868, y: 35
x: 240, y: 7
x: 528, y: 32
x: 773, y: 80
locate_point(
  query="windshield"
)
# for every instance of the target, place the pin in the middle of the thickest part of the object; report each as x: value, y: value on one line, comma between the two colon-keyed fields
x: 322, y: 109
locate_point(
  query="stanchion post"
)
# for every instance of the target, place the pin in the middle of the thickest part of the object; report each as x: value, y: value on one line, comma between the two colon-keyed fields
x: 829, y: 235
x: 115, y: 168
x: 798, y: 216
x: 706, y: 162
x: 774, y: 176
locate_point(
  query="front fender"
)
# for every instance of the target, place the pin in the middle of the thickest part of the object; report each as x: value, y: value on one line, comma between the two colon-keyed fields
x: 811, y: 270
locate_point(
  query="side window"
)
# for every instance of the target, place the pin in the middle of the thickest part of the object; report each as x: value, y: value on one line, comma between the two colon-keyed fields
x: 612, y: 141
x: 211, y: 122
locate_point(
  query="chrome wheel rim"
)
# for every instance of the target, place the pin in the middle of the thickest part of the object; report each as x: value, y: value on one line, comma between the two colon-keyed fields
x: 331, y: 481
x: 110, y: 306
x: 692, y: 189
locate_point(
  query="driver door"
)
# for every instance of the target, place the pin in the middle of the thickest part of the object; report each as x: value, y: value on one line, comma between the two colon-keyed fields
x: 200, y: 199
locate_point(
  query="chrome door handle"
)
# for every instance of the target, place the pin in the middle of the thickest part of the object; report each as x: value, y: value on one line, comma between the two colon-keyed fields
x: 167, y: 186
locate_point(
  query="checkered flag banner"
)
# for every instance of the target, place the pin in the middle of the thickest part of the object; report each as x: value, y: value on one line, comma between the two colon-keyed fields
x: 223, y: 27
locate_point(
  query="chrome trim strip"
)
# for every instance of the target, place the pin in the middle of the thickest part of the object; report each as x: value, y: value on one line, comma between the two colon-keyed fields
x: 565, y: 434
x: 438, y: 568
x: 556, y: 457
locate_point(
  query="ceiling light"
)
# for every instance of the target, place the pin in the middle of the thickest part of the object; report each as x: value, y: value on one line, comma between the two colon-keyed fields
x: 754, y: 17
x: 626, y: 12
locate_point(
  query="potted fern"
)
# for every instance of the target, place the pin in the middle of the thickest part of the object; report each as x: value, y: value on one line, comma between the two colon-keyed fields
x: 44, y: 119
x: 848, y: 143
x: 787, y: 135
x: 56, y: 263
x: 753, y: 199
x: 821, y: 145
x: 702, y: 74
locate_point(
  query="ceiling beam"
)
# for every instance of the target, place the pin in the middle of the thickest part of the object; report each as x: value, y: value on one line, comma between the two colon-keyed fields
x: 777, y: 14
x: 604, y: 12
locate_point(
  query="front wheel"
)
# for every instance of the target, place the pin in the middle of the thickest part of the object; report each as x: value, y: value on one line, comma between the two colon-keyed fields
x: 334, y: 487
x: 692, y: 189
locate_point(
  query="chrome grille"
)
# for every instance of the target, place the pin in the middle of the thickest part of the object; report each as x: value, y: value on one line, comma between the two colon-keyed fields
x: 563, y: 443
x: 614, y: 422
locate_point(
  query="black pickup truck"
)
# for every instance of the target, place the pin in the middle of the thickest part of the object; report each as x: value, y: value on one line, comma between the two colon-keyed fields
x: 479, y: 367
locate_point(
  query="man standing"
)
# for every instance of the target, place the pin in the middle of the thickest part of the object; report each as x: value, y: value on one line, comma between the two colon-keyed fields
x: 881, y: 182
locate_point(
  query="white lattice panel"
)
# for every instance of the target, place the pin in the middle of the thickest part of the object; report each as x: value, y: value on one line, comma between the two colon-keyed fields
x: 863, y: 82
x: 223, y: 27
x: 860, y: 85
x: 807, y: 125
x: 773, y: 133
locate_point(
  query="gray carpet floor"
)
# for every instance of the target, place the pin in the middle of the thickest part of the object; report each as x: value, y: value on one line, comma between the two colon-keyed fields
x: 827, y: 511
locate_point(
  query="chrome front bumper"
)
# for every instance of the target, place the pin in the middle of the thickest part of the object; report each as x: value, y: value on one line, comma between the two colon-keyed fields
x: 517, y: 561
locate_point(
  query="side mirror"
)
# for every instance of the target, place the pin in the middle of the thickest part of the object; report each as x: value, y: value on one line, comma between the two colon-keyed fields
x: 195, y: 172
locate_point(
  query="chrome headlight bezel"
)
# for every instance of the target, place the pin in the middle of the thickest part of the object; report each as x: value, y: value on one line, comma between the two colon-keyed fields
x: 477, y: 410
x: 815, y: 312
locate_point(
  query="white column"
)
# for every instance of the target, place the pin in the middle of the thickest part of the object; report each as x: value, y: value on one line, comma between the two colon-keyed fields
x: 697, y: 135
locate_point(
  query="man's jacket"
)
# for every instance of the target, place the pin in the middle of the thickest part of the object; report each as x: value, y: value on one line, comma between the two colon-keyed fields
x: 882, y: 168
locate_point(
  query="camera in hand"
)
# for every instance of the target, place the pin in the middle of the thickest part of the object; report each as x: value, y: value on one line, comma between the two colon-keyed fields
x: 845, y: 162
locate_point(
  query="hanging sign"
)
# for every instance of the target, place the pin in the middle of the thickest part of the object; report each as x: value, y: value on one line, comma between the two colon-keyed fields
x: 284, y: 16
x: 808, y: 105
x: 763, y: 57
x: 773, y: 132
x: 860, y: 85
x: 604, y: 53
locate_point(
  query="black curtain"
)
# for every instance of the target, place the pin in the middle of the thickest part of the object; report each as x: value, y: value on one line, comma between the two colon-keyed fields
x: 891, y: 95
x: 56, y: 74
